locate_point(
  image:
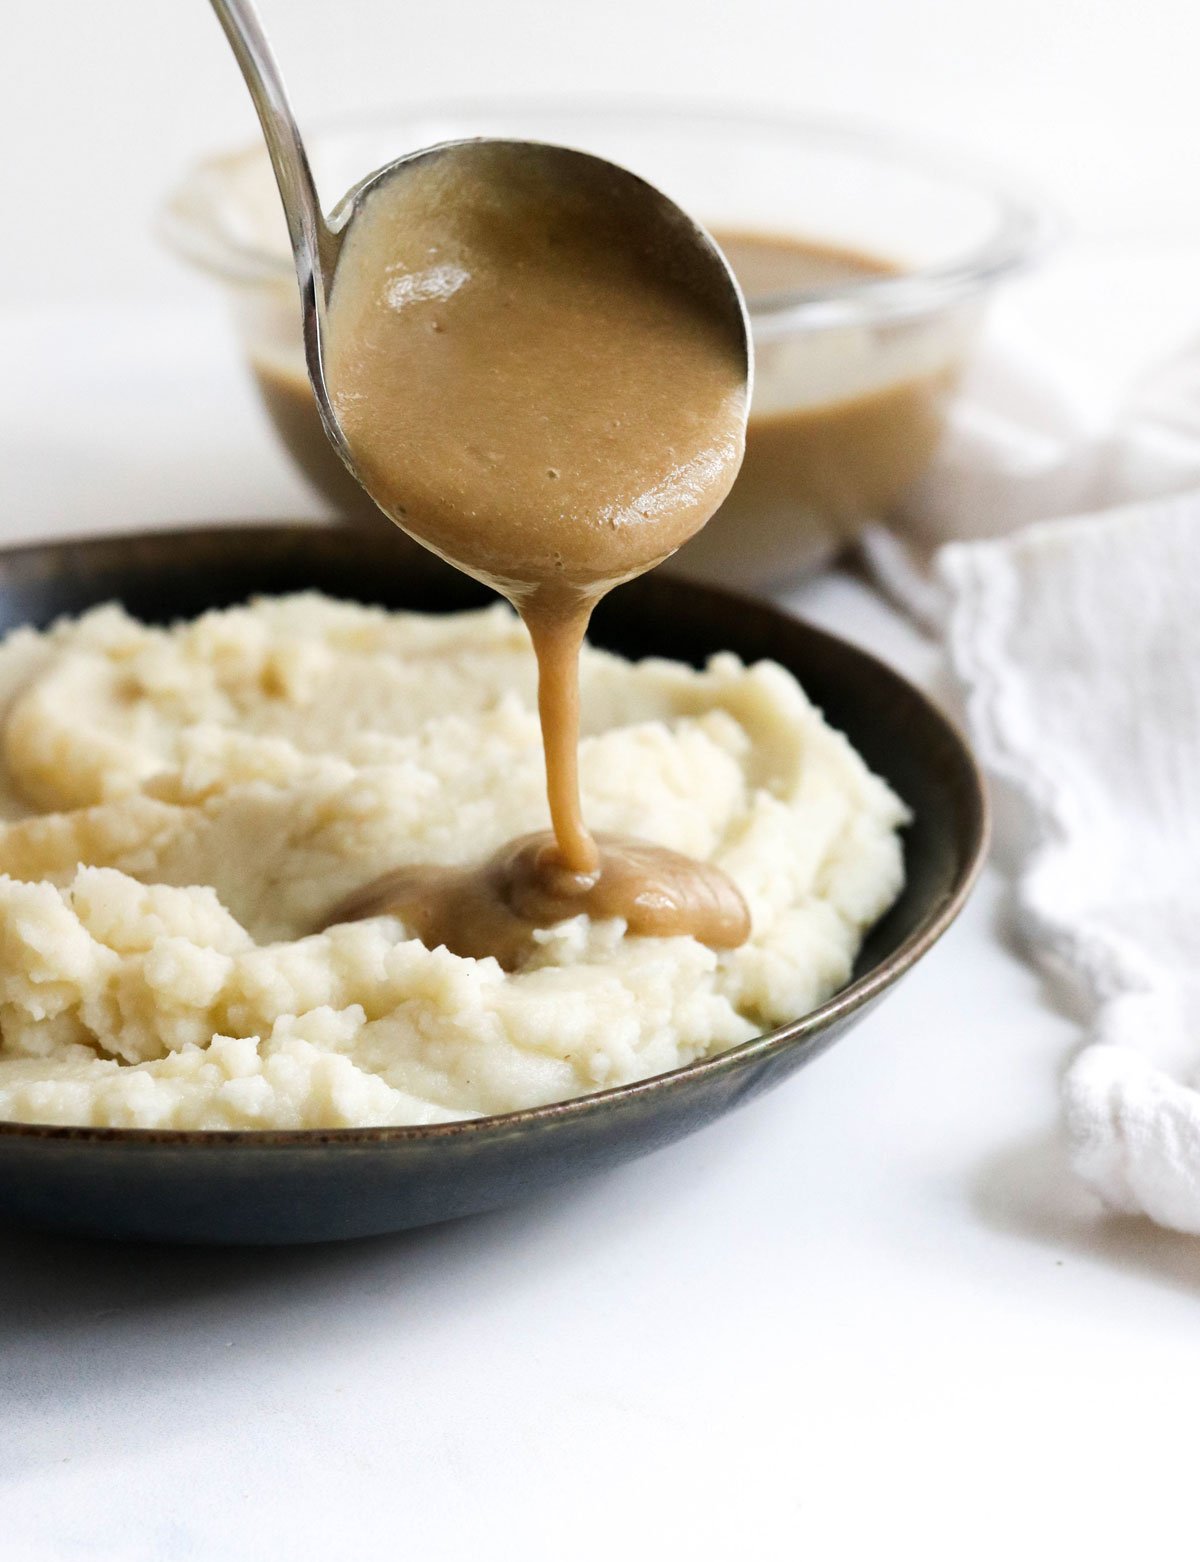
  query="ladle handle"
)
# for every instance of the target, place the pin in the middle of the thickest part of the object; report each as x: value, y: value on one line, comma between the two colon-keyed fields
x: 313, y: 244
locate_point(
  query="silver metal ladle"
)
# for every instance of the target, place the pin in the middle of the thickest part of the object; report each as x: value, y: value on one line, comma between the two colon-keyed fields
x: 317, y: 241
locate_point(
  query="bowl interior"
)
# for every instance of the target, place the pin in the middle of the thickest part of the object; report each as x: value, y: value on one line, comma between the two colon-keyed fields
x: 165, y: 576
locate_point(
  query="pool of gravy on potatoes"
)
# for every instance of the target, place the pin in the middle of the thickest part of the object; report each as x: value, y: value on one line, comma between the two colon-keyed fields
x: 552, y: 411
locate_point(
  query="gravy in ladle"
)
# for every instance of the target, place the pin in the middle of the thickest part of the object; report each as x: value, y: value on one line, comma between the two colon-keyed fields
x: 553, y: 410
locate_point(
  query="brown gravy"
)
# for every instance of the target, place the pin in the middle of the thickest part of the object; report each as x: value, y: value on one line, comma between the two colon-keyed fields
x: 490, y: 910
x: 767, y: 264
x: 817, y: 463
x: 553, y: 412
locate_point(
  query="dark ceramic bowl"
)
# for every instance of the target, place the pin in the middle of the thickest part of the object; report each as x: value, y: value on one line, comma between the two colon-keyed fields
x: 314, y: 1185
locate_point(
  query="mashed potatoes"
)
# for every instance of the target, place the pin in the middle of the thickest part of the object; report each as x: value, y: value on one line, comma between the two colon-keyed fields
x: 178, y: 807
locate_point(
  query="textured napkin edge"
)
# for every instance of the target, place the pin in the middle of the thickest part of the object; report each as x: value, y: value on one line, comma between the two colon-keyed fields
x: 1133, y: 1131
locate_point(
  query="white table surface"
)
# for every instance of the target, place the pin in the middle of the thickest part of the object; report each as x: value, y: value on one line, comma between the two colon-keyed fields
x: 872, y: 1309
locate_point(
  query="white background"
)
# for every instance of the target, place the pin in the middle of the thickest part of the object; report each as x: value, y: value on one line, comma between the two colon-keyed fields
x: 104, y: 103
x: 871, y: 1314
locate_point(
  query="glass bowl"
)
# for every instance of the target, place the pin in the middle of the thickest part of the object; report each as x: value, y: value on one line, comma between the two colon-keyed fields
x: 855, y: 365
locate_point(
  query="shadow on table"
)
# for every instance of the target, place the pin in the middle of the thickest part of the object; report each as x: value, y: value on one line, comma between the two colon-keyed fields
x: 1031, y: 1190
x: 84, y: 1321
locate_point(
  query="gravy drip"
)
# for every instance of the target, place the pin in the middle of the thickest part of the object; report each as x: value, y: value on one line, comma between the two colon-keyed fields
x: 492, y: 909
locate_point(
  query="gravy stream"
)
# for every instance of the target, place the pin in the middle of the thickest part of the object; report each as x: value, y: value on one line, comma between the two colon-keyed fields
x: 551, y: 410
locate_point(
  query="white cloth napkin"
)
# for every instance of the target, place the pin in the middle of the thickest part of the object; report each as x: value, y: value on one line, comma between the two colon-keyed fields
x: 1076, y: 641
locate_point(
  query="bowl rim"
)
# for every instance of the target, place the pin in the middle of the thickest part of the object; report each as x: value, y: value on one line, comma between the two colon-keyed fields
x: 855, y: 995
x: 189, y: 217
